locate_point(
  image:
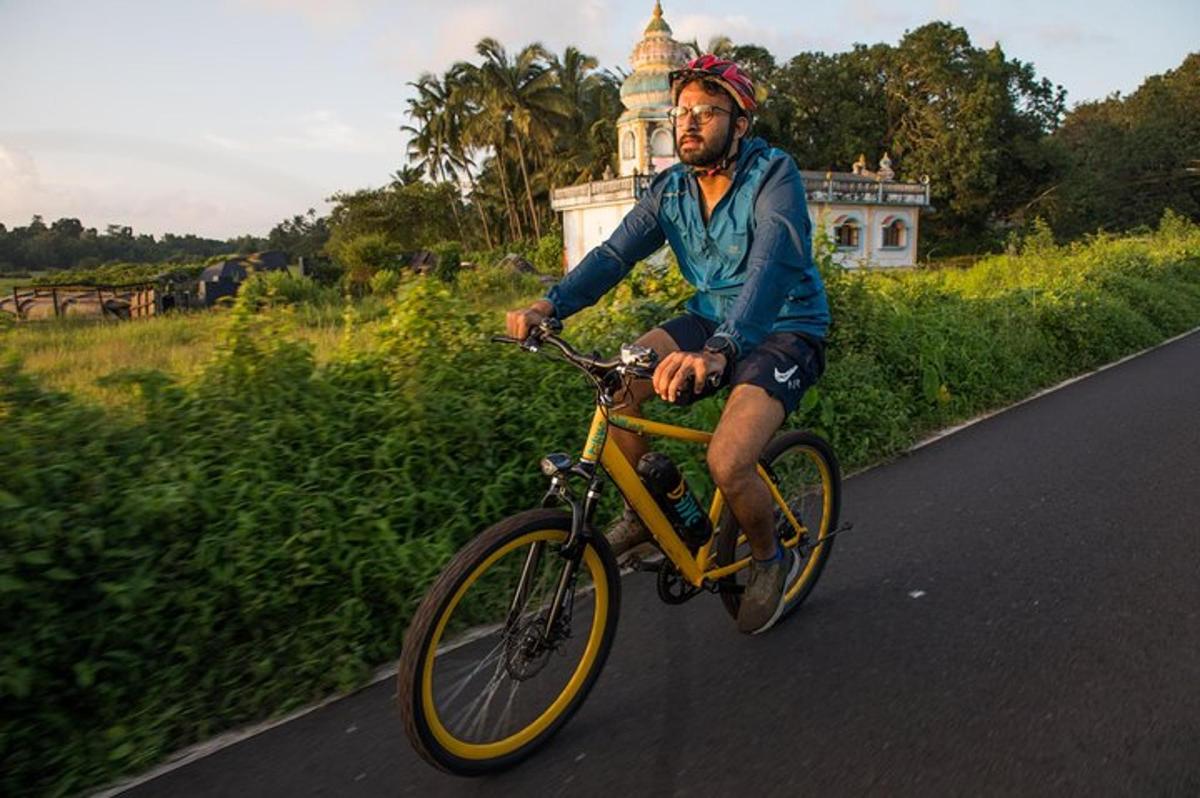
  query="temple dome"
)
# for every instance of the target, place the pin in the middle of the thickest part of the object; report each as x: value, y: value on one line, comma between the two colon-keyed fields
x: 653, y: 59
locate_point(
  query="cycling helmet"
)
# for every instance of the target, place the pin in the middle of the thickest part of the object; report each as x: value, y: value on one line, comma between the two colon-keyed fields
x: 720, y: 71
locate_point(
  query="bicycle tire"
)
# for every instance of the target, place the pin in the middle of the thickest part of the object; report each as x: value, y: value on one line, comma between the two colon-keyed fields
x: 820, y: 455
x: 427, y: 729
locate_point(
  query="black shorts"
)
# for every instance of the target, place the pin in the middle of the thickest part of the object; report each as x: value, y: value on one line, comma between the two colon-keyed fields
x: 785, y: 364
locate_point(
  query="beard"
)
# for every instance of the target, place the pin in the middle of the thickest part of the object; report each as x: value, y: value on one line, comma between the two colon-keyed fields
x: 700, y: 150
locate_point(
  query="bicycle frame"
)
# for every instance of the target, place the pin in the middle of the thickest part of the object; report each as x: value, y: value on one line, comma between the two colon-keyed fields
x: 693, y: 568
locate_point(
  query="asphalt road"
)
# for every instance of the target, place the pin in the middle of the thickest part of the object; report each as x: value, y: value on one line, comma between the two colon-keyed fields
x: 1016, y: 612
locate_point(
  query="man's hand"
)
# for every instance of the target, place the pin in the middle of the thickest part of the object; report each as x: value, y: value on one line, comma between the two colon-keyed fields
x: 522, y: 321
x: 675, y: 368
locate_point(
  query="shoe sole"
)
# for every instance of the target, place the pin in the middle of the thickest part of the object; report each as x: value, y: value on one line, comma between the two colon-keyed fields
x: 795, y: 569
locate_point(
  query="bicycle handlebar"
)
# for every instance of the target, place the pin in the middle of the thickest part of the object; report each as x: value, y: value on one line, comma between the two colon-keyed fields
x: 596, y: 366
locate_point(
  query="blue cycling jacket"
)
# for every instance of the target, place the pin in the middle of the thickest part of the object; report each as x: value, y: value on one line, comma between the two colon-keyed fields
x: 751, y: 265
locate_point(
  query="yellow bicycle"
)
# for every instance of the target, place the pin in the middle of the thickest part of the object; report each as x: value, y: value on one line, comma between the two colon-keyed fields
x: 512, y: 635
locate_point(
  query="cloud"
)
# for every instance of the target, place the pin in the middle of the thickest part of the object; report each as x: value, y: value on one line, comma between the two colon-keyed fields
x: 24, y: 193
x: 225, y: 143
x: 407, y: 50
x: 322, y: 16
x: 705, y: 27
x: 17, y: 171
x: 1068, y: 34
x: 177, y: 189
x: 875, y: 14
x: 947, y: 8
x: 323, y: 130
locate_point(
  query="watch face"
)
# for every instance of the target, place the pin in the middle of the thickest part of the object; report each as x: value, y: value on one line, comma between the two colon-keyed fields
x: 720, y: 345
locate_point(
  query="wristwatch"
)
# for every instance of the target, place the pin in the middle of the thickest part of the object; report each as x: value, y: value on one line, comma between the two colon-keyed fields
x: 722, y: 345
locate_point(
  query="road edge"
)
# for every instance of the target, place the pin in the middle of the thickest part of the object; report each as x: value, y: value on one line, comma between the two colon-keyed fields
x: 230, y: 738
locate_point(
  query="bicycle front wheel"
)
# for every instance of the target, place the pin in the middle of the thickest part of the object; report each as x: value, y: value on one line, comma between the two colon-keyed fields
x: 806, y: 473
x: 486, y: 675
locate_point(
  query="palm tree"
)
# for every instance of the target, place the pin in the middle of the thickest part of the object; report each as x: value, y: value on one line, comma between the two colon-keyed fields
x: 486, y: 127
x: 433, y: 145
x: 524, y: 92
x: 720, y: 45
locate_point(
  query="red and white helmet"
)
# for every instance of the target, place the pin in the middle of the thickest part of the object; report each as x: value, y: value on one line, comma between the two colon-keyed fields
x: 721, y: 71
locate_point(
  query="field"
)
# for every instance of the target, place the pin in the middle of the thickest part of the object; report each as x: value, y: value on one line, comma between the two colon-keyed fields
x: 242, y: 516
x: 8, y: 283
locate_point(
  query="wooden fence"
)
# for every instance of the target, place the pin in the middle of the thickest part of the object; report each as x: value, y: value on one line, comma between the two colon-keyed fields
x: 132, y: 301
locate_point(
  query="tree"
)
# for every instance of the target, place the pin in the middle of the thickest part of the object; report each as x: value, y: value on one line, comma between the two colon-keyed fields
x: 1122, y: 162
x: 408, y: 217
x: 970, y: 119
x: 524, y: 94
x: 304, y: 235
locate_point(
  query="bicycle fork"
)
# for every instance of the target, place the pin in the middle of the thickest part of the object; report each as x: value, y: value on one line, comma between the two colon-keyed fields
x: 571, y: 552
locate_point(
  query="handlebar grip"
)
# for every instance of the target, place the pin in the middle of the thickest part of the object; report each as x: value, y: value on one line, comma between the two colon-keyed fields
x: 504, y: 339
x: 687, y: 392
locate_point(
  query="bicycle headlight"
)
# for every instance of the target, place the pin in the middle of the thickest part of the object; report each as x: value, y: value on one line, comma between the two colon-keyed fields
x: 554, y: 464
x: 638, y: 355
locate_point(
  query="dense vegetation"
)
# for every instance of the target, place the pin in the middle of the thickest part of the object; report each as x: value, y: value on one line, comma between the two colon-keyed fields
x: 67, y: 244
x: 215, y: 548
x: 118, y: 273
x: 490, y: 138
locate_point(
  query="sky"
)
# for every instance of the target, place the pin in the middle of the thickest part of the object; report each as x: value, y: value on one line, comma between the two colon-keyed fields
x: 224, y: 117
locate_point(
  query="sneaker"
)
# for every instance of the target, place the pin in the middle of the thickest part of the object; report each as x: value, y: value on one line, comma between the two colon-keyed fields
x: 763, y: 602
x: 629, y: 536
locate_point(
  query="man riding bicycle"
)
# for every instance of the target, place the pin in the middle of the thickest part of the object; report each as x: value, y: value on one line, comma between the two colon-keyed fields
x: 735, y: 215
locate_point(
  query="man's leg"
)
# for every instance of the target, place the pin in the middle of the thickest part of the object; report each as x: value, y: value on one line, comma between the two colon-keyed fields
x: 628, y: 533
x: 632, y: 445
x: 750, y: 419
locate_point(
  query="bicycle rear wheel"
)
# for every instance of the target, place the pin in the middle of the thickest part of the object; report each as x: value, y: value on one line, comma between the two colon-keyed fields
x: 483, y: 681
x: 806, y: 472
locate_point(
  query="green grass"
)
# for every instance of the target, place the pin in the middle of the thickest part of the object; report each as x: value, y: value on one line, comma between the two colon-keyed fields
x: 77, y: 355
x: 216, y: 537
x: 8, y: 283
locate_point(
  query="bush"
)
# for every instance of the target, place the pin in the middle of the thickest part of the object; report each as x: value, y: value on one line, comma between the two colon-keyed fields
x: 120, y: 273
x: 323, y: 271
x: 385, y: 282
x: 259, y: 537
x: 363, y: 255
x: 502, y: 287
x: 547, y: 254
x: 449, y: 261
x: 275, y: 289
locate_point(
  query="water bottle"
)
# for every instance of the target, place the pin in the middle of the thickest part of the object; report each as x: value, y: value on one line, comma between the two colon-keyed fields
x: 671, y: 491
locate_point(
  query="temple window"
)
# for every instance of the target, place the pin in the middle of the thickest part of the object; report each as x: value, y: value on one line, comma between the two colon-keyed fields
x: 895, y: 234
x: 661, y: 145
x: 846, y: 233
x: 628, y: 146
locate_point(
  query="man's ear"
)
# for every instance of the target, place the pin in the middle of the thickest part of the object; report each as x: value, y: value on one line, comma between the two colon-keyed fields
x: 742, y: 126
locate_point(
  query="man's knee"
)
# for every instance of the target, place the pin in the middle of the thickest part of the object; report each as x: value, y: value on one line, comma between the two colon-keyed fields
x: 662, y: 344
x: 750, y: 418
x: 730, y: 464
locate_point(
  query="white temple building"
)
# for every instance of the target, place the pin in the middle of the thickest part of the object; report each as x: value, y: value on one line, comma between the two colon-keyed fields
x: 873, y: 218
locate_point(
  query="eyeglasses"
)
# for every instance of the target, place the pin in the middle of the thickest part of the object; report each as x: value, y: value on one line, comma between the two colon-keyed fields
x: 701, y: 113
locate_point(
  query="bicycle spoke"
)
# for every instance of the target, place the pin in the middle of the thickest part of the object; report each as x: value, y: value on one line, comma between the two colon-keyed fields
x: 484, y: 695
x: 475, y: 668
x: 507, y: 711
